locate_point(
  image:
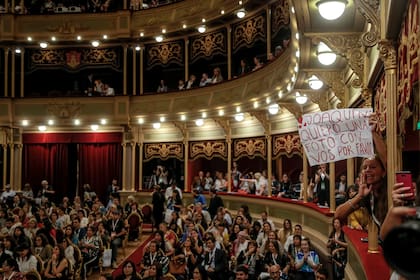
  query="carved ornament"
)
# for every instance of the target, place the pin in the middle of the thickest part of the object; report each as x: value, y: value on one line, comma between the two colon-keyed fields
x: 164, y: 54
x: 249, y: 148
x: 246, y: 33
x: 208, y: 45
x: 262, y: 117
x: 67, y: 27
x: 335, y: 79
x: 348, y: 45
x: 208, y: 149
x: 65, y: 110
x: 370, y: 10
x: 225, y: 125
x: 287, y: 145
x: 280, y: 16
x: 294, y: 109
x: 164, y: 151
x: 388, y: 54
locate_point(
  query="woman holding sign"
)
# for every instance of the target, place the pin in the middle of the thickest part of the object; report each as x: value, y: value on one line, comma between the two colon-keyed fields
x: 373, y: 187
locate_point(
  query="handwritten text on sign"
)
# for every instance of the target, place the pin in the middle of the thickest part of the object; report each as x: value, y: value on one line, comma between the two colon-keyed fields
x: 336, y: 134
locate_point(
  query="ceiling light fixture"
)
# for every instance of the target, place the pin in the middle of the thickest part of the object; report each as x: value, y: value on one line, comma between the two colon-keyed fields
x: 202, y: 28
x: 94, y: 127
x: 239, y: 117
x: 256, y: 104
x: 25, y: 122
x: 29, y: 39
x: 199, y: 122
x: 18, y: 50
x: 53, y: 38
x: 301, y: 99
x: 79, y: 38
x: 141, y: 34
x: 156, y: 125
x: 42, y: 128
x: 50, y: 122
x: 331, y: 9
x: 162, y: 119
x: 43, y: 45
x: 325, y: 55
x: 105, y: 36
x: 183, y: 117
x: 76, y: 122
x: 221, y: 112
x: 241, y: 13
x: 140, y: 121
x: 315, y: 83
x: 159, y: 38
x: 273, y: 109
x: 95, y: 43
x: 138, y: 48
x: 104, y: 121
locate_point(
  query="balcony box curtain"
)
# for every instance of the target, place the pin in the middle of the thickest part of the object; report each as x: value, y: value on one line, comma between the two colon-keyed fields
x: 47, y: 162
x: 99, y: 163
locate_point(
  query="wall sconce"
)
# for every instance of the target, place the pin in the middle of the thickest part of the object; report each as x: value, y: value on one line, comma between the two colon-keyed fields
x: 315, y: 83
x: 331, y: 9
x: 202, y: 28
x: 301, y: 99
x: 241, y: 13
x: 325, y: 55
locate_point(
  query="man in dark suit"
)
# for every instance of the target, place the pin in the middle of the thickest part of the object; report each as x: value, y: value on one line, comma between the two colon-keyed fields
x: 215, y: 202
x: 215, y: 261
x: 191, y: 83
x: 78, y: 232
x: 113, y: 189
x: 322, y: 179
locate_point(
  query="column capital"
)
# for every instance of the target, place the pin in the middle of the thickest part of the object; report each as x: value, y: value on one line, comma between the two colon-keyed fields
x: 388, y: 54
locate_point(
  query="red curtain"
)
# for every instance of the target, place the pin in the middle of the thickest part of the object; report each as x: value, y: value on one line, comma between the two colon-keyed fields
x: 99, y: 164
x: 46, y: 162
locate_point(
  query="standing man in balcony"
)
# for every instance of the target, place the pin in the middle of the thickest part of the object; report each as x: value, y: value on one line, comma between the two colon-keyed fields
x: 322, y: 181
x: 46, y: 193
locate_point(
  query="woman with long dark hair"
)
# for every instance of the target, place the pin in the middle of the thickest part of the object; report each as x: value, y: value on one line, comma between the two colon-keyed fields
x: 128, y: 271
x: 57, y: 266
x: 338, y: 249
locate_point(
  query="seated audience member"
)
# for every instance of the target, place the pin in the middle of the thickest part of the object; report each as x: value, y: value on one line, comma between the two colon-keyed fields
x: 307, y: 261
x: 89, y: 246
x: 42, y: 248
x: 205, y: 80
x: 58, y: 266
x: 285, y: 231
x: 10, y: 270
x: 258, y: 64
x: 249, y: 258
x: 108, y: 91
x: 128, y: 271
x: 26, y: 260
x: 181, y: 85
x: 153, y: 255
x: 217, y: 76
x: 243, y: 68
x: 162, y: 87
x: 270, y: 57
x: 214, y: 260
x: 191, y: 83
x: 341, y: 190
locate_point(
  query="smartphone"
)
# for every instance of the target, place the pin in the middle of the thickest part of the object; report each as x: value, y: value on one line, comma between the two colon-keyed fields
x: 406, y: 178
x: 364, y: 239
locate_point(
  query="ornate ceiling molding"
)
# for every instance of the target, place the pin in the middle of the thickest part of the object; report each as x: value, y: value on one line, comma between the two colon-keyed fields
x: 348, y: 45
x: 225, y: 125
x: 183, y: 128
x: 320, y: 98
x: 370, y: 10
x: 294, y: 109
x: 262, y: 117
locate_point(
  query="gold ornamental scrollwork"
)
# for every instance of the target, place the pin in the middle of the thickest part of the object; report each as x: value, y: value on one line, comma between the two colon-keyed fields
x: 280, y: 16
x: 65, y: 110
x: 208, y: 149
x: 248, y: 32
x: 380, y: 104
x: 73, y: 59
x: 67, y: 27
x: 287, y: 145
x: 163, y: 151
x: 164, y: 54
x: 388, y: 54
x: 250, y: 148
x: 208, y: 45
x: 370, y: 10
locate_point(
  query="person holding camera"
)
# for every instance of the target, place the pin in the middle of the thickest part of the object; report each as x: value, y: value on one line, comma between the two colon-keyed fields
x: 338, y: 249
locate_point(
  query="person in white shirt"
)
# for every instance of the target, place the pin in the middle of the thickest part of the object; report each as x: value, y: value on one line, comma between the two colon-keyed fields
x: 289, y: 240
x: 7, y: 194
x: 169, y: 191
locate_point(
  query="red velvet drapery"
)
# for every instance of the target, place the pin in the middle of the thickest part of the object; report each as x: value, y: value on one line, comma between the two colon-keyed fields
x: 60, y: 157
x: 99, y: 164
x: 49, y: 162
